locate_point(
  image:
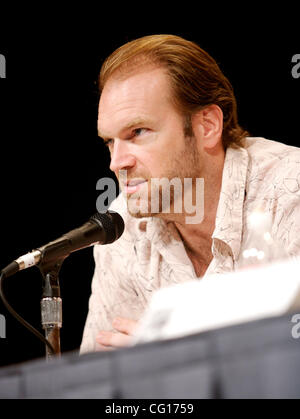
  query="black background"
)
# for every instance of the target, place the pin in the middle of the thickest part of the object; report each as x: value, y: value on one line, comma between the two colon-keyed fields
x: 51, y: 157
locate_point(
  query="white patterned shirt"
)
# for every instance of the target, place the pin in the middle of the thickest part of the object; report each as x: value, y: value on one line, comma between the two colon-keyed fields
x: 150, y: 254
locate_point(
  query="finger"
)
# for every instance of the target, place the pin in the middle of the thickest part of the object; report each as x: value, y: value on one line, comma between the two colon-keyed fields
x: 103, y: 348
x: 123, y: 325
x: 113, y: 339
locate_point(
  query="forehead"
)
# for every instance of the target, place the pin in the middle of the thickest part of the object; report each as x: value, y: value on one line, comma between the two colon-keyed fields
x: 144, y: 94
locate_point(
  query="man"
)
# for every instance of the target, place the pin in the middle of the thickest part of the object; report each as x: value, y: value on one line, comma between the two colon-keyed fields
x: 167, y: 111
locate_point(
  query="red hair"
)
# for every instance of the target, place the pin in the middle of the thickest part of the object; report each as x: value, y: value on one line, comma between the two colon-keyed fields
x: 195, y: 78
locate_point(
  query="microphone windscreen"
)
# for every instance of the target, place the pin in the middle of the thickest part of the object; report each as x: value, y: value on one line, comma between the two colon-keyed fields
x: 112, y: 223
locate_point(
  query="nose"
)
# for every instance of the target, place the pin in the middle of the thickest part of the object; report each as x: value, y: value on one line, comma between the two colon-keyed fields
x: 121, y: 157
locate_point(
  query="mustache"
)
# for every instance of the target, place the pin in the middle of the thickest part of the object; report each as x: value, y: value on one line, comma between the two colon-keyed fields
x: 124, y: 178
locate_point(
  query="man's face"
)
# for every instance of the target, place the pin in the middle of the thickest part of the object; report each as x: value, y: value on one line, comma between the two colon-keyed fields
x: 144, y: 133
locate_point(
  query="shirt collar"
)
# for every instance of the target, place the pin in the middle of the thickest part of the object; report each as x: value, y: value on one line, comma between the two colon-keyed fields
x: 229, y: 218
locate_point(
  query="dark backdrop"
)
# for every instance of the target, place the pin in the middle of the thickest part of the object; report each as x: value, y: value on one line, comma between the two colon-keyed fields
x: 51, y: 157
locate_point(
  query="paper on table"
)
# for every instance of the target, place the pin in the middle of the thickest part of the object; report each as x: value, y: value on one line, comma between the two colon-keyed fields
x: 221, y: 300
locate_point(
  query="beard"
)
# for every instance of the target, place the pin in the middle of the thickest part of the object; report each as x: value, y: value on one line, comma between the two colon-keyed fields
x: 165, y: 195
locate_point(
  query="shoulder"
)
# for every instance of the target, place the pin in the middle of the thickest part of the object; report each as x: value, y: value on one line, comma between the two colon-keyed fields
x: 274, y: 178
x: 273, y: 184
x: 260, y: 148
x: 272, y: 159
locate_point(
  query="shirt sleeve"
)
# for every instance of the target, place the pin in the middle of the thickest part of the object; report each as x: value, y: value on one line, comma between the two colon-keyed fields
x: 112, y: 294
x: 290, y: 228
x: 287, y: 218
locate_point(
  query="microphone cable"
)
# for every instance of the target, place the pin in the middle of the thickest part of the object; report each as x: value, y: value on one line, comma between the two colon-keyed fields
x: 102, y: 228
x: 20, y: 318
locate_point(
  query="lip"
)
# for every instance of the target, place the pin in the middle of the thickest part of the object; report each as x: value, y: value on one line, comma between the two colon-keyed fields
x: 134, y: 185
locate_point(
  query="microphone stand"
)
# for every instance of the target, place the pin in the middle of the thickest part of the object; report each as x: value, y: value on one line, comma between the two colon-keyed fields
x: 51, y: 307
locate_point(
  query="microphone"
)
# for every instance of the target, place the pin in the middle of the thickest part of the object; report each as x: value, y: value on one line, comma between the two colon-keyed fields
x: 102, y: 228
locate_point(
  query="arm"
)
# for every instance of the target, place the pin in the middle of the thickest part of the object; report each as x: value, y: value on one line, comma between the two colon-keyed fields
x: 112, y: 296
x: 124, y: 329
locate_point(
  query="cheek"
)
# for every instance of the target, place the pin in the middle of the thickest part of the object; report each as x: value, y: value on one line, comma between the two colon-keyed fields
x: 158, y: 156
x: 156, y: 163
x: 151, y: 165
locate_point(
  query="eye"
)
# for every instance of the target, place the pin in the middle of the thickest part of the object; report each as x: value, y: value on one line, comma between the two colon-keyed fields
x: 139, y: 131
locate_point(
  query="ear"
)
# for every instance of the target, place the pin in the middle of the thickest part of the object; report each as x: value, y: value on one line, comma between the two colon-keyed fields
x: 208, y: 126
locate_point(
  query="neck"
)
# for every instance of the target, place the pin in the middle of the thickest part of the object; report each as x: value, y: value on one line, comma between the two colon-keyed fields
x: 197, y: 237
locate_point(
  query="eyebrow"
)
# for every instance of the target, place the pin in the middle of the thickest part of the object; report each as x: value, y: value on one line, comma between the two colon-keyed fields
x: 133, y: 123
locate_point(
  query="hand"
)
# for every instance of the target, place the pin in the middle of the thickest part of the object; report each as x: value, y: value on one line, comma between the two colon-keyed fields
x: 121, y: 338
